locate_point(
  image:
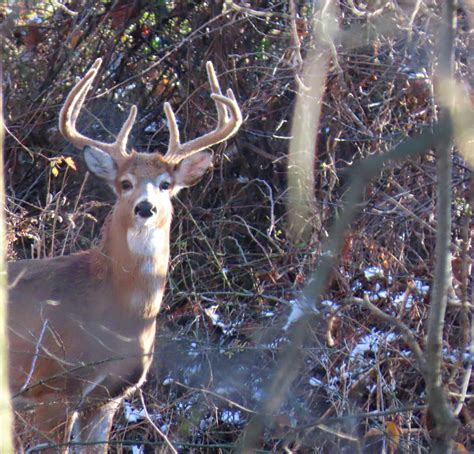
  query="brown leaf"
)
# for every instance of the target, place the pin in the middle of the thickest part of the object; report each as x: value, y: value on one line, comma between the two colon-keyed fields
x: 346, y: 253
x: 394, y: 433
x: 74, y: 39
x: 269, y: 276
x: 32, y: 38
x: 459, y: 448
x: 161, y: 87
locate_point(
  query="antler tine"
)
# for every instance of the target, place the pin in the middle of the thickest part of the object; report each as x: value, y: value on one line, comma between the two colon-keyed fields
x: 83, y: 86
x: 216, y: 90
x: 72, y: 105
x: 122, y: 136
x: 71, y: 110
x: 229, y: 119
x: 173, y: 127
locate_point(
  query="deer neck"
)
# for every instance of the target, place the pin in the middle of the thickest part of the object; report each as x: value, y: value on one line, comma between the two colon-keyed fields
x: 137, y: 265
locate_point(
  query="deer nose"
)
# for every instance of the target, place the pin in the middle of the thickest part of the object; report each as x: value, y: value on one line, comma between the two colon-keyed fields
x: 145, y: 209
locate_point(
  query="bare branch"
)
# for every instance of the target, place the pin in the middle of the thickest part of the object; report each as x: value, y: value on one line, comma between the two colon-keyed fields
x: 445, y: 423
x: 399, y: 326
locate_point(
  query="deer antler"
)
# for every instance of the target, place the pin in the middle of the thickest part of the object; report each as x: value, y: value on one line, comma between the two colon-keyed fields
x: 71, y: 109
x: 229, y: 119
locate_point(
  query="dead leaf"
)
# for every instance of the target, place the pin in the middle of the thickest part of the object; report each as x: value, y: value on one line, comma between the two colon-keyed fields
x: 459, y: 448
x: 74, y: 39
x: 32, y: 38
x: 394, y: 433
x: 70, y: 163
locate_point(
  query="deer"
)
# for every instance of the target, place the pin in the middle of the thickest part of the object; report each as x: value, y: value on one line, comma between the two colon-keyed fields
x: 82, y: 327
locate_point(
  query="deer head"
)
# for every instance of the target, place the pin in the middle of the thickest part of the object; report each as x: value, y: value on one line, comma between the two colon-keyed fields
x: 144, y: 183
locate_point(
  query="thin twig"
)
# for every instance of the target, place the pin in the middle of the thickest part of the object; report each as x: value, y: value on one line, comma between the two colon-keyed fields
x: 162, y: 434
x: 416, y: 9
x: 64, y: 8
x: 219, y: 396
x: 403, y: 329
x: 294, y: 35
x: 35, y: 356
x: 250, y: 11
x: 464, y: 388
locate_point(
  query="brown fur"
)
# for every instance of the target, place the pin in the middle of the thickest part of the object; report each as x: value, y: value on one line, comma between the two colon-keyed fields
x: 72, y: 323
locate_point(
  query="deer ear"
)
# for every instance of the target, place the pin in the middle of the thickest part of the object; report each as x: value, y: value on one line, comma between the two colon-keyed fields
x: 100, y: 163
x: 192, y: 169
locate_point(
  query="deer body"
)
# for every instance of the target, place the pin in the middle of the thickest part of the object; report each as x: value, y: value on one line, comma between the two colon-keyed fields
x: 82, y: 327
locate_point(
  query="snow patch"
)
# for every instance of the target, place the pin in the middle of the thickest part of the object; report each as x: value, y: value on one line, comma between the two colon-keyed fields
x: 421, y: 287
x: 371, y: 342
x: 131, y: 413
x: 330, y: 304
x: 227, y: 329
x: 231, y: 417
x: 313, y: 381
x: 193, y: 352
x: 373, y: 272
x: 268, y: 313
x: 297, y: 311
x: 205, y: 423
x: 152, y: 127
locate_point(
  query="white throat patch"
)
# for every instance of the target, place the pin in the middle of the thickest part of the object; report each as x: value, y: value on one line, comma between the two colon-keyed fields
x: 147, y: 242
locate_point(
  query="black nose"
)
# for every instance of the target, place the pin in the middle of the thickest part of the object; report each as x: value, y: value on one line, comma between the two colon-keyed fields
x: 145, y: 209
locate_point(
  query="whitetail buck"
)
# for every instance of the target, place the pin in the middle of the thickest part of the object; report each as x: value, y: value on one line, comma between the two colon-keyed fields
x: 82, y: 327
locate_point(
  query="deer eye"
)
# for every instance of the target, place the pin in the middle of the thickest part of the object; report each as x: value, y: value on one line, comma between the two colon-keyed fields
x: 126, y: 185
x: 165, y: 185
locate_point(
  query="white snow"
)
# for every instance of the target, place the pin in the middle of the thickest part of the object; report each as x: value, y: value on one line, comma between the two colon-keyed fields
x: 313, y: 381
x: 268, y: 313
x: 421, y: 287
x: 227, y: 329
x: 330, y: 304
x: 373, y: 272
x: 230, y: 417
x: 400, y: 297
x: 132, y: 414
x: 205, y: 423
x: 297, y: 311
x: 152, y: 127
x: 371, y: 342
